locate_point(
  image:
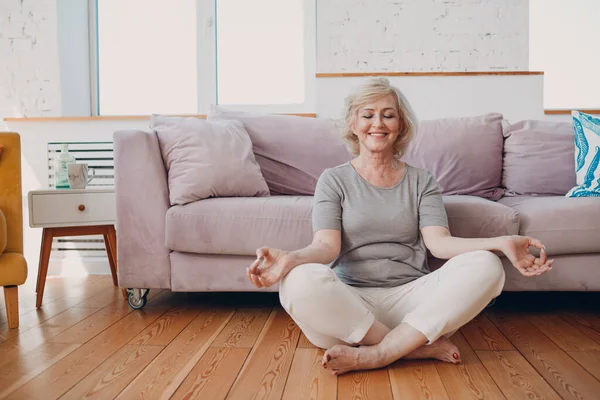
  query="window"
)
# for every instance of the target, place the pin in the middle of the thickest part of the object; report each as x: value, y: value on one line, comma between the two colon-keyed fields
x: 563, y: 42
x: 146, y: 57
x: 160, y: 56
x: 260, y: 52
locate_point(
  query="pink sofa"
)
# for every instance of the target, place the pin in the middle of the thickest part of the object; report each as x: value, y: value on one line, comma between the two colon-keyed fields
x: 498, y: 178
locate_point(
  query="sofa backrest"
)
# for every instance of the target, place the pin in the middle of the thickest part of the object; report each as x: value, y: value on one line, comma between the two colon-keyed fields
x: 538, y: 158
x: 464, y: 154
x: 484, y: 156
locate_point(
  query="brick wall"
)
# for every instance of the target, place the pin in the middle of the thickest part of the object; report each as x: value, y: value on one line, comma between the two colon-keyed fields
x: 29, y: 70
x: 422, y: 35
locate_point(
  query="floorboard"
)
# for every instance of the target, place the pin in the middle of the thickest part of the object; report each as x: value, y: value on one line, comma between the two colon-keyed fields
x: 265, y: 372
x: 170, y: 368
x: 113, y: 375
x: 481, y: 334
x: 565, y: 375
x: 214, y: 374
x: 308, y: 379
x: 587, y: 323
x: 86, y: 343
x: 469, y: 379
x: 416, y: 380
x: 515, y: 377
x: 365, y: 385
x: 243, y: 329
x: 304, y: 343
x: 66, y: 373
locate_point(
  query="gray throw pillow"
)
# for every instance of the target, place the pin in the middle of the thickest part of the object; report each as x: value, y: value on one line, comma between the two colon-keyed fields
x: 538, y: 158
x: 207, y: 159
x: 463, y: 154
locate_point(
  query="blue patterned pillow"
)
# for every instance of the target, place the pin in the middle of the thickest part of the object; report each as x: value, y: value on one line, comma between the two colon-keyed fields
x: 587, y: 155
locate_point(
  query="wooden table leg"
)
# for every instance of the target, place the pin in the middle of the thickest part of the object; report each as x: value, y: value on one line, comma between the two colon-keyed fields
x: 46, y: 247
x: 110, y: 242
x: 110, y: 238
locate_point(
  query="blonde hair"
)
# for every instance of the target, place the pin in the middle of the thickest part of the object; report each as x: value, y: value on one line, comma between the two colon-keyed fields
x: 372, y: 90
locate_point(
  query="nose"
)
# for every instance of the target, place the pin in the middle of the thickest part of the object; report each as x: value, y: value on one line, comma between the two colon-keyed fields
x: 377, y: 121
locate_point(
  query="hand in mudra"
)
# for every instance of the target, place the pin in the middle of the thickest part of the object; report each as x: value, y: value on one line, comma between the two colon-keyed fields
x: 269, y: 267
x: 516, y: 249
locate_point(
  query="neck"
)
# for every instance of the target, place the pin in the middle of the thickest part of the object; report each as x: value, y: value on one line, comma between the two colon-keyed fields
x: 378, y: 161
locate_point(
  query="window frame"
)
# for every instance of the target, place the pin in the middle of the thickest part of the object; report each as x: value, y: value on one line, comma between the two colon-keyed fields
x: 310, y: 65
x: 206, y: 37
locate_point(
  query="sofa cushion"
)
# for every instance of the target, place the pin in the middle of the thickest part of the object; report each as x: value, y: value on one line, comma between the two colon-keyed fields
x: 538, y: 158
x: 463, y: 154
x: 292, y: 151
x: 207, y: 159
x: 474, y: 217
x: 239, y: 226
x: 564, y: 225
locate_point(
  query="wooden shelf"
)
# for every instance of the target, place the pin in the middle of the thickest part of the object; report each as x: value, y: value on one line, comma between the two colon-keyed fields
x: 117, y: 118
x: 552, y: 112
x: 447, y: 73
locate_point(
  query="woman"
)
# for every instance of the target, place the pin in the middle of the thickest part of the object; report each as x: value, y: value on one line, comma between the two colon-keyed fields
x: 364, y: 279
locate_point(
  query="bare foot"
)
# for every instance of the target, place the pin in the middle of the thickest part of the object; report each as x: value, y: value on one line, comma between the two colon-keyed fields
x: 442, y: 349
x: 340, y: 359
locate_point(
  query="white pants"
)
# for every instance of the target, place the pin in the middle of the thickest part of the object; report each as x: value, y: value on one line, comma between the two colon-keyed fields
x: 329, y: 312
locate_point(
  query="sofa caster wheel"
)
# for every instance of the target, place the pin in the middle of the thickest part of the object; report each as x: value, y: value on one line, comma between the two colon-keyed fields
x: 491, y: 303
x: 137, y: 298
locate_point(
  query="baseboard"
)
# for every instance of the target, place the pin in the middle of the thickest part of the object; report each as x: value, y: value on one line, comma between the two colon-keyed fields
x: 79, y: 266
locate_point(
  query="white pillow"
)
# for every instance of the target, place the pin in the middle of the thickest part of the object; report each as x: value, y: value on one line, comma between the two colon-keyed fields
x: 587, y: 155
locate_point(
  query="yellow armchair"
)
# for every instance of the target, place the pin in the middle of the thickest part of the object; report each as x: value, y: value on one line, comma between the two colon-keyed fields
x: 13, y: 268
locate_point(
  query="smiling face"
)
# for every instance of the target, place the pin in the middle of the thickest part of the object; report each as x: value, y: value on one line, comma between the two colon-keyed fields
x: 377, y: 125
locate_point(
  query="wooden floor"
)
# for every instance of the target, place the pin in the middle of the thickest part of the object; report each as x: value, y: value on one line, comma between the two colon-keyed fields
x: 87, y: 343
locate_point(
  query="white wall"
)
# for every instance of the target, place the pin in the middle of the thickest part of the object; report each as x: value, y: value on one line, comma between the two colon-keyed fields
x: 418, y: 35
x: 29, y: 72
x: 517, y: 97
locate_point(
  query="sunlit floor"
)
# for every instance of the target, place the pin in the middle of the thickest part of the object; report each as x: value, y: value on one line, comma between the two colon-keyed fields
x: 85, y: 341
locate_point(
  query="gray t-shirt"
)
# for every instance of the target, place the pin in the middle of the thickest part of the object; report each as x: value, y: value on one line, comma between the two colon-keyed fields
x: 381, y: 241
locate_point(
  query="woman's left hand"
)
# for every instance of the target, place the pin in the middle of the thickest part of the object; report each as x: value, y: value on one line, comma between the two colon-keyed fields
x: 516, y: 249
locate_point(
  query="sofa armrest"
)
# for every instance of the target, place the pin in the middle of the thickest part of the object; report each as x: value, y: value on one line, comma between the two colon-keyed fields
x: 142, y: 197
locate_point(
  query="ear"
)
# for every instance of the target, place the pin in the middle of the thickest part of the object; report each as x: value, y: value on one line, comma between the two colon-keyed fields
x: 352, y: 125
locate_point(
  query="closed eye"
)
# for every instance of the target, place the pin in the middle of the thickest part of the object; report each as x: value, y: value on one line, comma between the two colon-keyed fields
x: 385, y: 116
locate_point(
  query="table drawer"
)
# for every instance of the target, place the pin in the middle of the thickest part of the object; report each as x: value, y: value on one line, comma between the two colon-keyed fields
x: 72, y: 209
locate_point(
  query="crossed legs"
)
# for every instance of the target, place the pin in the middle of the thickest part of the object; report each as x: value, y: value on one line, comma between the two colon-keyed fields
x: 336, y: 317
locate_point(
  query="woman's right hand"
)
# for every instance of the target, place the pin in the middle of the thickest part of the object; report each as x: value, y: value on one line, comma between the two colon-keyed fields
x: 270, y: 266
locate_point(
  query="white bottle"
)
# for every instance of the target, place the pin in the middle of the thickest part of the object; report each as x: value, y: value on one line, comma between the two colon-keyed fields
x: 61, y: 177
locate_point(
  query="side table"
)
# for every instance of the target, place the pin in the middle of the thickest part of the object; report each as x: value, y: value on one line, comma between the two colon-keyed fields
x: 73, y: 212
